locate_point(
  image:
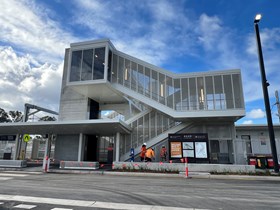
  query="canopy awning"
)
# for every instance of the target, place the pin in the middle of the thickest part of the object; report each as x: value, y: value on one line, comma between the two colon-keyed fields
x: 104, y: 127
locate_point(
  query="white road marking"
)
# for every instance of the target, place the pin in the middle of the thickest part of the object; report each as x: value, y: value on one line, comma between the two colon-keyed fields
x: 24, y: 206
x: 5, y: 178
x: 23, y: 172
x: 1, y: 203
x: 14, y: 175
x: 60, y: 209
x: 81, y: 203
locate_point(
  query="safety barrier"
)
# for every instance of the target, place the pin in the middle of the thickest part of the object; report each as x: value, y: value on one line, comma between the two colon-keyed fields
x: 13, y: 163
x: 78, y: 165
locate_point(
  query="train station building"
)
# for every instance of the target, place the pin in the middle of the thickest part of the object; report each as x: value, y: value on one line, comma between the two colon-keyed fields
x: 111, y: 103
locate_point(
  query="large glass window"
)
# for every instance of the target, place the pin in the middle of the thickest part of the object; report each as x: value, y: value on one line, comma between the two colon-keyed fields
x: 134, y: 134
x: 219, y: 96
x: 153, y: 124
x: 177, y: 94
x: 201, y: 92
x: 133, y: 75
x: 146, y: 128
x: 237, y: 91
x: 115, y: 68
x: 185, y: 94
x: 140, y: 79
x: 228, y: 91
x: 109, y: 66
x: 162, y: 88
x: 147, y: 82
x: 193, y: 94
x: 140, y: 131
x: 209, y: 93
x: 169, y: 91
x: 99, y: 62
x: 87, y: 64
x: 127, y: 73
x: 155, y: 85
x: 76, y: 63
x: 121, y: 70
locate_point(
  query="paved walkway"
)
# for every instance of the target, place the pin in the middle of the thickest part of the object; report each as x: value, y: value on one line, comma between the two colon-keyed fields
x: 39, y: 170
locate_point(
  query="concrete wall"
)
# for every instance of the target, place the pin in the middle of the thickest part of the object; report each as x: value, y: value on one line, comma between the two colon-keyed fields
x: 66, y: 148
x: 73, y: 106
x: 260, y: 142
x: 180, y: 167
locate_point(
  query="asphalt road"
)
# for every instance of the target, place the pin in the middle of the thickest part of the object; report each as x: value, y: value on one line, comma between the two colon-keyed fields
x: 96, y: 191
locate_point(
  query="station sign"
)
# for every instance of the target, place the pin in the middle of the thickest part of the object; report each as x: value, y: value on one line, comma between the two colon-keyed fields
x: 193, y: 146
x: 7, y: 137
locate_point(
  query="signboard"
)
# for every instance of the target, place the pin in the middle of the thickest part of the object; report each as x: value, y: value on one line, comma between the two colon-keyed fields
x: 194, y: 146
x: 26, y: 138
x: 200, y: 150
x: 7, y: 137
x: 175, y: 150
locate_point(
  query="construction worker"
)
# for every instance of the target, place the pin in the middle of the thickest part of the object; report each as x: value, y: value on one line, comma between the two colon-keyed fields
x: 150, y: 154
x: 163, y: 153
x: 143, y: 152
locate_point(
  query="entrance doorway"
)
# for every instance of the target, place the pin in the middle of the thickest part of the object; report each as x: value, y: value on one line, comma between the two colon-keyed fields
x: 106, y: 149
x: 91, y: 153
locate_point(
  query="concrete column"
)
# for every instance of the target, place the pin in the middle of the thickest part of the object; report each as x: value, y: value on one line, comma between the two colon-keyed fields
x: 47, y: 148
x: 118, y: 136
x: 15, y: 153
x: 234, y: 144
x: 80, y: 147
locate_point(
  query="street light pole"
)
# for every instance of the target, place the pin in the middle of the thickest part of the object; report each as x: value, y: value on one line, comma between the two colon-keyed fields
x: 265, y: 84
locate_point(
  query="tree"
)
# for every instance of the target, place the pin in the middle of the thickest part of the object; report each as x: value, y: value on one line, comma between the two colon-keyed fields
x: 47, y: 118
x: 4, y: 117
x: 15, y: 116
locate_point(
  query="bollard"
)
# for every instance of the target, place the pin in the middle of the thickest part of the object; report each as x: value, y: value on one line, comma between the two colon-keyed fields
x: 46, y: 164
x: 187, y: 169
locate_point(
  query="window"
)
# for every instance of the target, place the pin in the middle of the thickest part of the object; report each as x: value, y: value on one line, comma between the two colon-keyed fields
x: 99, y: 62
x: 87, y: 64
x: 209, y: 93
x: 75, y: 66
x: 228, y: 91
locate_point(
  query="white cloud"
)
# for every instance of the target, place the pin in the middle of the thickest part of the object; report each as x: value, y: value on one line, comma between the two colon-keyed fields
x: 163, y: 31
x: 28, y: 27
x: 255, y: 114
x: 209, y: 31
x: 22, y: 83
x: 248, y: 122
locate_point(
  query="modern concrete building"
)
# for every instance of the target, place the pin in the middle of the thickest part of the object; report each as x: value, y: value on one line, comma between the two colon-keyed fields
x: 112, y: 103
x: 101, y: 84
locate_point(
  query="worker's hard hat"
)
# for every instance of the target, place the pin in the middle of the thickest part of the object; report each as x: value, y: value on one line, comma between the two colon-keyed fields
x: 163, y: 146
x: 145, y: 144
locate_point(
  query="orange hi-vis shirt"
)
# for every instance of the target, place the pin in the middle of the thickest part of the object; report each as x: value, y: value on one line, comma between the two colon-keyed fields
x: 143, y: 152
x: 150, y: 153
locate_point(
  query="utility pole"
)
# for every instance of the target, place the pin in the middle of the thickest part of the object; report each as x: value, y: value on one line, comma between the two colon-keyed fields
x: 265, y: 84
x: 277, y: 104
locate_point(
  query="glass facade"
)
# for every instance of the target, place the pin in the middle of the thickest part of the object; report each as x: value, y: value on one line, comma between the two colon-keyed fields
x: 87, y: 64
x: 209, y: 92
x: 145, y: 128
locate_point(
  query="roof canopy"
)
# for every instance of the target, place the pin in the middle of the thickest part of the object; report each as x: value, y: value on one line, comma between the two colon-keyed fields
x: 97, y: 127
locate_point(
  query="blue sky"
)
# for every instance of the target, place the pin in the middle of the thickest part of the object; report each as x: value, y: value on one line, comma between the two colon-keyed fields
x: 179, y: 36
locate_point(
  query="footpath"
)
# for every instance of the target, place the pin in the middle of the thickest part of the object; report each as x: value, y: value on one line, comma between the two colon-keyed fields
x: 109, y: 172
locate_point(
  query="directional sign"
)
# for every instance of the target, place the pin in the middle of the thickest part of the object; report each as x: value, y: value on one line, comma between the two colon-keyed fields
x: 26, y: 137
